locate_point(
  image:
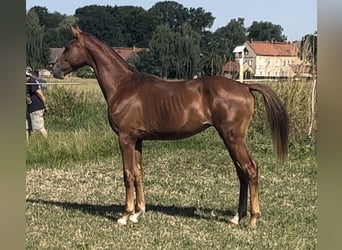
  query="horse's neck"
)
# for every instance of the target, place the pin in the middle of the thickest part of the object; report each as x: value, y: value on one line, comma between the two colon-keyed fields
x: 109, y: 69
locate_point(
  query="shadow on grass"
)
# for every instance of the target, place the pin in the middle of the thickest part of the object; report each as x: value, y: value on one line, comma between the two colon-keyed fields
x: 111, y: 211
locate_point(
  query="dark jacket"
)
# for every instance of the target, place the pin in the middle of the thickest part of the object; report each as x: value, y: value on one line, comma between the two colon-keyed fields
x: 36, y: 102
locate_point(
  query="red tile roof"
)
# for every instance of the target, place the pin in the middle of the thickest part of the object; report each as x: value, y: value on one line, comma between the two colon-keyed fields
x: 127, y: 52
x: 266, y: 48
x: 231, y: 66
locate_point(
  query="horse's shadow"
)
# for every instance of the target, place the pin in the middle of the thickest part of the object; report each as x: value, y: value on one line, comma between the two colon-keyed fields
x: 112, y: 211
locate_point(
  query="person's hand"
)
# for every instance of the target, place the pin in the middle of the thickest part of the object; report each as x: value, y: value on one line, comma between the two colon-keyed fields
x: 46, y: 109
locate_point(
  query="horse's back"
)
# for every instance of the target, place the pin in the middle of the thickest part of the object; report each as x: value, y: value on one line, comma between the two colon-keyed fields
x: 177, y: 109
x: 210, y: 96
x: 221, y: 85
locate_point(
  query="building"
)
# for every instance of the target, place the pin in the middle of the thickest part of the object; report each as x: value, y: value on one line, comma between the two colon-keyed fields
x: 231, y: 69
x: 268, y: 59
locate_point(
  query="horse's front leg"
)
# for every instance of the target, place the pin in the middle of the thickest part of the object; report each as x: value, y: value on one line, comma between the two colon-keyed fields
x: 138, y: 184
x: 127, y: 147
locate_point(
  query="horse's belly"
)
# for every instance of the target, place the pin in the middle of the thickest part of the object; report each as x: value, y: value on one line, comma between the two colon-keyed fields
x: 173, y: 131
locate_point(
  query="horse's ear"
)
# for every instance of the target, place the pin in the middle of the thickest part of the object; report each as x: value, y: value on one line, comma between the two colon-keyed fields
x: 75, y: 30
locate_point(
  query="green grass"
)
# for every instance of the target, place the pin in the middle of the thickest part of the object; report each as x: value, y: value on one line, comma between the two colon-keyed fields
x: 191, y: 191
x: 75, y: 190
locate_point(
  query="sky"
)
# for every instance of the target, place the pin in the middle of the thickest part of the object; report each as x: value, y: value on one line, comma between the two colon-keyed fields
x: 296, y: 17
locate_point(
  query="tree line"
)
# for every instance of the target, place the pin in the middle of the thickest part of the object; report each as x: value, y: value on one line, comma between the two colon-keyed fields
x: 179, y: 42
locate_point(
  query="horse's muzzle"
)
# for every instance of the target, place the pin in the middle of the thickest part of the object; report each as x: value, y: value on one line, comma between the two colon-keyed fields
x: 57, y: 72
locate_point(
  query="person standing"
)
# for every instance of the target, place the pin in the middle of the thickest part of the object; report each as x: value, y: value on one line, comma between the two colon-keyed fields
x: 35, y: 105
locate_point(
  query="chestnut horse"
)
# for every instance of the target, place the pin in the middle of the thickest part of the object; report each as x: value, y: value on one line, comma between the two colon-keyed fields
x: 145, y: 107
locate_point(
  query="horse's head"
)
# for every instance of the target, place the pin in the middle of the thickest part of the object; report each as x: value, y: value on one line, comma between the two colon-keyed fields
x: 73, y: 57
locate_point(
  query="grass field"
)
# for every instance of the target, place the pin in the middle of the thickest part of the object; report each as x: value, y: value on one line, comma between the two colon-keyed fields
x: 75, y: 191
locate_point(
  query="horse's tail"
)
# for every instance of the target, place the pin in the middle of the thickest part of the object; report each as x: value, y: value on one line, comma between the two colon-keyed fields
x: 277, y: 118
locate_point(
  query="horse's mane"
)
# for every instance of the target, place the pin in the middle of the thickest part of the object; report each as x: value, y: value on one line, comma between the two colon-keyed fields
x: 137, y: 76
x: 104, y: 45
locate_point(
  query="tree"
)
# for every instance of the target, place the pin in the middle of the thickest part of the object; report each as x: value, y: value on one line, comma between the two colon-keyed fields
x: 308, y: 51
x: 265, y: 31
x: 146, y: 62
x: 217, y: 48
x: 230, y: 36
x: 118, y: 25
x: 103, y: 22
x: 56, y: 26
x: 58, y: 36
x: 308, y: 55
x: 175, y: 15
x: 187, y: 53
x: 162, y: 46
x: 199, y: 19
x: 46, y: 19
x: 169, y: 13
x: 138, y: 26
x: 176, y: 52
x: 36, y: 51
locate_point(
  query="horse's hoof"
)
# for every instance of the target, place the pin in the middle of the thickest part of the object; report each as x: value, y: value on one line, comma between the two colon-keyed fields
x: 253, y: 221
x: 134, y: 217
x: 252, y: 225
x: 122, y: 221
x: 234, y: 221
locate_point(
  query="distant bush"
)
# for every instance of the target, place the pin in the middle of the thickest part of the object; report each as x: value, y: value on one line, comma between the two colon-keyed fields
x: 85, y: 72
x: 74, y: 109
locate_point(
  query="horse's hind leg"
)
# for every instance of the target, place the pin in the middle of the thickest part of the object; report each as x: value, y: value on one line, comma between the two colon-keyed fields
x: 242, y: 209
x: 247, y: 172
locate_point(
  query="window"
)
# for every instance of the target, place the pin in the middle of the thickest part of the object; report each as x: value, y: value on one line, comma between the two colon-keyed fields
x: 250, y: 62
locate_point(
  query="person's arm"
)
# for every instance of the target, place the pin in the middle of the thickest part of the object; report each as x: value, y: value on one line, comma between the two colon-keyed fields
x: 39, y: 93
